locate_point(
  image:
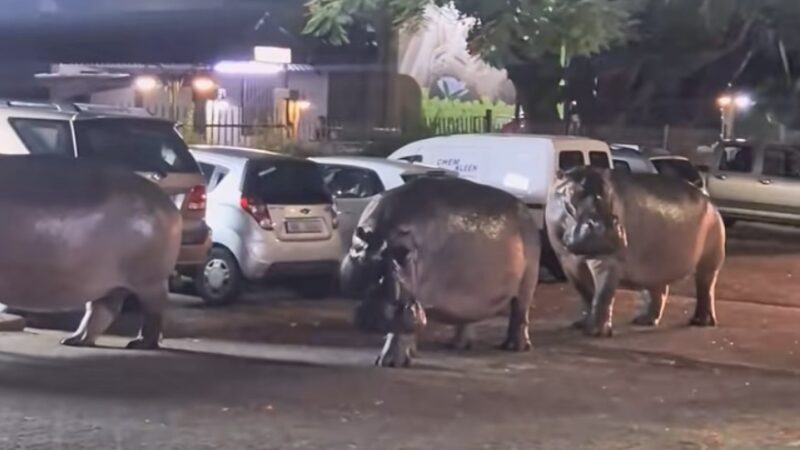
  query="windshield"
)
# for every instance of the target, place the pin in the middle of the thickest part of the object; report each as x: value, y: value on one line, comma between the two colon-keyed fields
x: 139, y: 144
x: 285, y: 182
x: 680, y: 168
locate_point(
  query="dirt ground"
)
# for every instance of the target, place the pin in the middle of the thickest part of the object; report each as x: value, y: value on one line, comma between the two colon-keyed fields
x: 278, y: 373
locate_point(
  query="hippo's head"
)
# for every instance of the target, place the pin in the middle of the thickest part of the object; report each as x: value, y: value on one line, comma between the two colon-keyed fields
x: 590, y: 224
x: 383, y: 278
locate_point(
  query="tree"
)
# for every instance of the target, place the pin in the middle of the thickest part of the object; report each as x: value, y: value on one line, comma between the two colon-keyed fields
x: 533, y: 39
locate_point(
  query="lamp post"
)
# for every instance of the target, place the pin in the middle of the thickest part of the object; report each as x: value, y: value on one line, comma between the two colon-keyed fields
x: 729, y: 104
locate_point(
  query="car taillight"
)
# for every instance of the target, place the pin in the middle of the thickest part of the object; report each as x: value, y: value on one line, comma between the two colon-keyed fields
x: 334, y: 216
x: 258, y: 210
x: 197, y: 199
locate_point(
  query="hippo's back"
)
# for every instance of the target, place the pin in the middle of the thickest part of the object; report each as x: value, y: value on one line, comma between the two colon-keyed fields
x: 72, y: 230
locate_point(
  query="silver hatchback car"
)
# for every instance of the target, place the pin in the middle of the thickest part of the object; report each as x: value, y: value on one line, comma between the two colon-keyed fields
x: 271, y: 217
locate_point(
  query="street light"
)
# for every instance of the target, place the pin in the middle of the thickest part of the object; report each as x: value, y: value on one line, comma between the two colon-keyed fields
x: 203, y: 84
x: 729, y: 104
x: 146, y: 83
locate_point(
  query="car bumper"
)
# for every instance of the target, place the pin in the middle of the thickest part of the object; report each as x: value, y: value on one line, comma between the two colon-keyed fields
x: 193, y: 256
x: 296, y: 259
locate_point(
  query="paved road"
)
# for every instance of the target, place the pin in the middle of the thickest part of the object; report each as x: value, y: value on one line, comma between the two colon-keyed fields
x: 278, y: 373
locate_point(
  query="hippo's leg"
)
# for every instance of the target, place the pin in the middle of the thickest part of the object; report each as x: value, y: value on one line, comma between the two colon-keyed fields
x: 655, y: 300
x: 705, y: 314
x: 584, y: 284
x: 463, y: 337
x: 518, y: 335
x: 99, y: 315
x: 600, y: 323
x: 152, y: 302
x: 397, y: 350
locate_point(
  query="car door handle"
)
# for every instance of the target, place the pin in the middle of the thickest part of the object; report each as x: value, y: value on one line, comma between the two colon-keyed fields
x: 721, y: 177
x: 765, y: 181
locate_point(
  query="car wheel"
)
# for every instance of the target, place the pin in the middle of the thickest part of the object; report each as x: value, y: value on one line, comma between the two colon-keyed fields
x: 220, y: 281
x: 317, y: 288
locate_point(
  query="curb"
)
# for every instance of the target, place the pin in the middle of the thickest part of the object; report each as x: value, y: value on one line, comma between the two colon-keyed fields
x: 10, y: 322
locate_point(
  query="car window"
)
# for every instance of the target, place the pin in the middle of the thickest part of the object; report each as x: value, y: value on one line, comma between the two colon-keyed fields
x: 569, y: 159
x: 679, y: 168
x: 285, y: 182
x: 622, y: 166
x: 208, y: 171
x: 44, y: 137
x: 141, y: 145
x: 737, y: 159
x: 782, y: 162
x: 599, y: 159
x: 352, y: 182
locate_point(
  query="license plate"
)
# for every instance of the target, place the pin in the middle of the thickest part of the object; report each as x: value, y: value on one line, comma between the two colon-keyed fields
x: 304, y: 226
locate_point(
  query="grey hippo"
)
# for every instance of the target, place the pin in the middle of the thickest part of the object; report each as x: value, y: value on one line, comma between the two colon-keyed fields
x: 639, y: 231
x: 75, y: 234
x: 447, y: 249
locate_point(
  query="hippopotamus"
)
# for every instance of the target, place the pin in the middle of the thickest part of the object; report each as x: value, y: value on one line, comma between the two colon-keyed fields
x: 75, y: 234
x: 640, y: 231
x: 444, y: 249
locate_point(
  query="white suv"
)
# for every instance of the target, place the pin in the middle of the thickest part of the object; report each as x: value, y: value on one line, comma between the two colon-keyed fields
x: 124, y: 137
x: 272, y: 217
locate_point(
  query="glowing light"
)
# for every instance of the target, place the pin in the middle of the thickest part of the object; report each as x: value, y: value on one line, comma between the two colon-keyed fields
x: 304, y: 104
x: 247, y: 68
x: 725, y: 101
x: 203, y: 84
x: 146, y: 83
x: 743, y: 101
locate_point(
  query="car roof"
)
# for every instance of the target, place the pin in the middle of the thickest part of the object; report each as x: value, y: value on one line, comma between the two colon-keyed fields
x: 626, y: 152
x: 512, y: 136
x: 241, y: 153
x: 664, y: 157
x: 372, y: 162
x: 72, y: 111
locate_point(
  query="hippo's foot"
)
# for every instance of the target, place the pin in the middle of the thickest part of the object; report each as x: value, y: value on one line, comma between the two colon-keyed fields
x: 581, y: 324
x: 142, y: 344
x: 516, y: 344
x: 397, y: 350
x: 645, y: 320
x: 599, y: 330
x: 703, y: 320
x: 77, y: 341
x: 462, y: 339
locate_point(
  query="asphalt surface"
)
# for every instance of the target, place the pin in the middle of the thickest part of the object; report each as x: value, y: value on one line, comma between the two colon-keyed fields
x: 275, y: 372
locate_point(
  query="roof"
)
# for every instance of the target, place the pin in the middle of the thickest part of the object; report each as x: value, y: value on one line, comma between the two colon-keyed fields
x: 67, y: 111
x: 371, y: 162
x: 240, y: 152
x: 517, y: 136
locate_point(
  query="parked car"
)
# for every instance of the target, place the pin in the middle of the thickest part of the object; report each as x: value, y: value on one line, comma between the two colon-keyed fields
x: 125, y: 137
x: 755, y: 181
x: 679, y: 167
x: 272, y: 217
x: 629, y: 160
x: 523, y: 165
x: 354, y: 181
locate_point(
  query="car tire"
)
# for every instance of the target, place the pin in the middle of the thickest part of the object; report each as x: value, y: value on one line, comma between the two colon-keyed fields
x: 219, y: 282
x: 317, y: 288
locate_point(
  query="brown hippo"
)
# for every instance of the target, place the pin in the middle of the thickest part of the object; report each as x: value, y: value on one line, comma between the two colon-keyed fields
x: 640, y: 231
x: 455, y: 251
x: 74, y: 234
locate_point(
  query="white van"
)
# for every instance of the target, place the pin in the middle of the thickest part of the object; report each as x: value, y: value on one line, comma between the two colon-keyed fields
x: 524, y: 165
